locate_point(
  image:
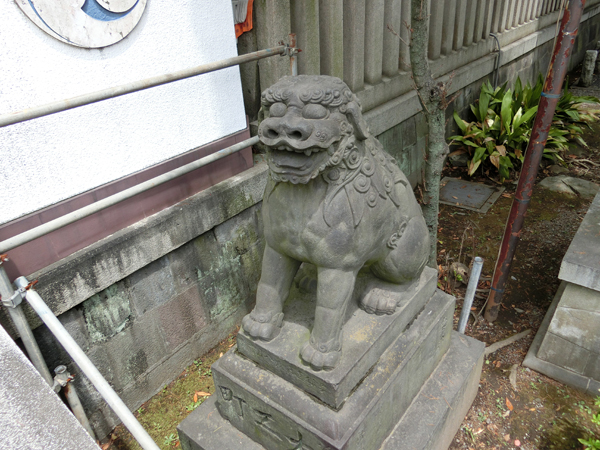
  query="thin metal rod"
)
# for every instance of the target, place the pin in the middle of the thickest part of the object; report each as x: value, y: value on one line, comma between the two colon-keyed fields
x: 63, y: 379
x: 88, y: 210
x: 539, y: 135
x: 117, y: 91
x: 470, y: 294
x: 77, y: 408
x: 293, y: 55
x: 497, y: 62
x: 87, y: 367
x: 19, y: 320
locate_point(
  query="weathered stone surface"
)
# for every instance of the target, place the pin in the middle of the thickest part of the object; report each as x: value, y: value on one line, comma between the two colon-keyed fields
x: 206, y: 429
x: 580, y: 264
x: 586, y: 381
x: 151, y: 286
x: 274, y: 412
x: 563, y: 353
x: 570, y: 186
x: 557, y: 184
x: 436, y: 414
x: 335, y: 199
x: 589, y: 64
x: 430, y: 422
x: 33, y: 417
x: 107, y: 313
x: 366, y: 337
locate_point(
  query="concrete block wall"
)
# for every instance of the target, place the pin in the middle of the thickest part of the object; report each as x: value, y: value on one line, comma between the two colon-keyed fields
x: 142, y: 331
x: 147, y: 301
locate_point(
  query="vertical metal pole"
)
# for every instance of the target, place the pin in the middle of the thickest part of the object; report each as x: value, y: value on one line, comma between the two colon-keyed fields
x: 470, y: 294
x: 20, y: 321
x: 539, y: 135
x: 87, y: 367
x: 293, y: 53
x: 64, y: 378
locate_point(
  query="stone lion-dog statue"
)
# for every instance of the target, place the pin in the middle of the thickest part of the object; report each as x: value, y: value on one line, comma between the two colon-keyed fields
x: 334, y: 199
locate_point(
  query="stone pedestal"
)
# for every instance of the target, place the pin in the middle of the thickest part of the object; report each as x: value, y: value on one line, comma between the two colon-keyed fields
x: 567, y: 345
x: 396, y: 370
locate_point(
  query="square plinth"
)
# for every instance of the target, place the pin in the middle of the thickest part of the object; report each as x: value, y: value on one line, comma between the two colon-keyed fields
x: 275, y: 413
x: 430, y: 422
x: 366, y: 337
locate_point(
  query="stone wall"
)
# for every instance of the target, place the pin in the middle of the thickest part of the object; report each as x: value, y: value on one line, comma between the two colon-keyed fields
x: 145, y: 302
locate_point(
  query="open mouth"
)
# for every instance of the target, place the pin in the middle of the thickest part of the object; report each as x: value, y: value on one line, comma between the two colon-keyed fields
x: 307, y: 152
x: 298, y: 161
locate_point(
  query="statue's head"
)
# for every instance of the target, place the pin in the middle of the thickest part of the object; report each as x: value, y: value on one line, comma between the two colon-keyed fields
x: 310, y: 122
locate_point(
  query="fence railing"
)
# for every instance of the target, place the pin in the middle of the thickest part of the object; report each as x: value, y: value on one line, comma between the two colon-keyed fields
x: 365, y: 42
x: 12, y: 298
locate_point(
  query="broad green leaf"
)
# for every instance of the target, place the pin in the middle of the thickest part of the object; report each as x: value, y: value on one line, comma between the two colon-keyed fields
x: 473, y: 166
x: 461, y: 123
x: 479, y: 153
x: 484, y: 101
x: 527, y: 116
x: 475, y: 112
x: 506, y: 110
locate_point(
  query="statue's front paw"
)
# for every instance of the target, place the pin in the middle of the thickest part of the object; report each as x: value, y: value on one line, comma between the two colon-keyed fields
x: 379, y: 301
x: 265, y: 326
x: 321, y: 356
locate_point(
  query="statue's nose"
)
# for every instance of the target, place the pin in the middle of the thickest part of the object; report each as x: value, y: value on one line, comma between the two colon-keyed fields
x: 297, y: 130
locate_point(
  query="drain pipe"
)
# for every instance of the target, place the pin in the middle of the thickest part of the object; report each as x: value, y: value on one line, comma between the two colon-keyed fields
x: 12, y: 299
x: 539, y: 135
x: 87, y: 367
x: 497, y: 63
x: 63, y: 379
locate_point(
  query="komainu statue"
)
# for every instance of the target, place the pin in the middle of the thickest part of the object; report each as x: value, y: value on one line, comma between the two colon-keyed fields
x: 334, y: 199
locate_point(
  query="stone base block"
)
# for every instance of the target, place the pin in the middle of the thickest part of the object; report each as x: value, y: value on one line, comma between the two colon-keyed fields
x: 430, y: 422
x: 279, y: 415
x: 562, y: 359
x: 366, y: 337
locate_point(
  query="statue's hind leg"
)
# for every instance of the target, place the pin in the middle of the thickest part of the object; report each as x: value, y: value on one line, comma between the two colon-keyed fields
x: 398, y: 273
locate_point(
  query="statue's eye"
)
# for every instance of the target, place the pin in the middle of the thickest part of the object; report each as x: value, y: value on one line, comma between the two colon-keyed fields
x: 314, y: 111
x: 277, y: 110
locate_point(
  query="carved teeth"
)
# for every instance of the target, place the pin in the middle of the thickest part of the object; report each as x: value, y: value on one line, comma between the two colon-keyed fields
x: 307, y: 152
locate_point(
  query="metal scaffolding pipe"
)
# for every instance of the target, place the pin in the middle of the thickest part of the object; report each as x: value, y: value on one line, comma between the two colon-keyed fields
x: 87, y: 367
x: 535, y: 149
x: 117, y: 91
x: 19, y: 320
x: 470, y: 294
x: 63, y: 379
x: 88, y: 210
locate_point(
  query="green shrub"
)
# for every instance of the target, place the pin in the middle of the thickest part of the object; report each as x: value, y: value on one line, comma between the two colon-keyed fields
x: 504, y: 121
x: 592, y: 443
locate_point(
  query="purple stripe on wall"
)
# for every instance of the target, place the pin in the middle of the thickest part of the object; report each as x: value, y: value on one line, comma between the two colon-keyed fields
x: 59, y: 244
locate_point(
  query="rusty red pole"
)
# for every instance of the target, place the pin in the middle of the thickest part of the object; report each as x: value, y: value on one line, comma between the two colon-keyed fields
x: 539, y: 135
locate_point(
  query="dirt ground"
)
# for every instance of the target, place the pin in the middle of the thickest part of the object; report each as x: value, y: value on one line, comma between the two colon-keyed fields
x: 532, y: 412
x: 537, y: 412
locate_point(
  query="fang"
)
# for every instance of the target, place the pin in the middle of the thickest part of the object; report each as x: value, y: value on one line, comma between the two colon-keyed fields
x: 307, y: 152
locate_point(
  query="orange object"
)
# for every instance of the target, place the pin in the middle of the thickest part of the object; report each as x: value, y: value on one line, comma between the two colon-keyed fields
x: 247, y: 24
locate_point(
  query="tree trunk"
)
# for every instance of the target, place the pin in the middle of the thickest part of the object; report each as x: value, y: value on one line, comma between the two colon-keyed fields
x: 433, y: 99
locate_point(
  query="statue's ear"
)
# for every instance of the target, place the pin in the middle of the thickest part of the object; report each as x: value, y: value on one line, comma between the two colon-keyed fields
x: 354, y: 115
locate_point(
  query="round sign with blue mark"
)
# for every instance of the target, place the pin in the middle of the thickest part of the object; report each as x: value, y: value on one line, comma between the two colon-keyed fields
x: 85, y: 23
